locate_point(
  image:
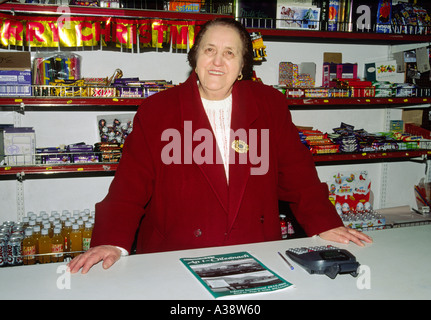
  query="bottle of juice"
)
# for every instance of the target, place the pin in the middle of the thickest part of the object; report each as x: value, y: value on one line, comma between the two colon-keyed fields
x: 44, y: 246
x: 65, y: 232
x: 47, y: 225
x: 75, y: 240
x: 57, y: 245
x: 36, y: 236
x: 86, y: 236
x: 28, y: 247
x: 80, y: 225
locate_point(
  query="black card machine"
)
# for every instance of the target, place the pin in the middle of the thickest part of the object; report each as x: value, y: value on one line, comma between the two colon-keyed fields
x: 327, y: 260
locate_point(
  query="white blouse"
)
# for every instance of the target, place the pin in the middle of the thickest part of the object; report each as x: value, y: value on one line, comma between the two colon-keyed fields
x: 219, y: 115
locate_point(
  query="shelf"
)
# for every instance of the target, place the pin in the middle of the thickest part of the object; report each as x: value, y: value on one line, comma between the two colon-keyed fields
x: 41, y: 9
x: 47, y: 102
x: 370, y: 156
x: 54, y: 169
x: 69, y: 102
x: 81, y: 169
x: 350, y: 37
x: 369, y: 102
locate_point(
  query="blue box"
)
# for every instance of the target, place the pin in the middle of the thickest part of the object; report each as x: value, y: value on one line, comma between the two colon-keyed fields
x: 15, y: 83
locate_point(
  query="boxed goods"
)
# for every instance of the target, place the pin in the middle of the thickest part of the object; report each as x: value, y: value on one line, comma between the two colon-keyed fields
x: 297, y: 17
x: 15, y: 74
x: 185, y: 6
x: 17, y: 145
x: 290, y: 75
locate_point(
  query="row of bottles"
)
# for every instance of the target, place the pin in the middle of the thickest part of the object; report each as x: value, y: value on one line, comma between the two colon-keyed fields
x: 45, y: 239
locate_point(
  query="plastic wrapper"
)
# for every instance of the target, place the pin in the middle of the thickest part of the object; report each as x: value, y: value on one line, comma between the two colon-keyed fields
x: 49, y: 67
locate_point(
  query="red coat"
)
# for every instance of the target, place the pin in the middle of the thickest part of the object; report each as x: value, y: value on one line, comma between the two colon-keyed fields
x: 185, y: 206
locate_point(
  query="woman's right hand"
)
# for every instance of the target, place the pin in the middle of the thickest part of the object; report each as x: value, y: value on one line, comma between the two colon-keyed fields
x: 108, y: 254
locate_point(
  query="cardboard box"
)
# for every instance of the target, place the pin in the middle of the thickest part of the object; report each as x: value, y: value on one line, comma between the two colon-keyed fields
x: 20, y: 61
x: 413, y: 116
x: 18, y: 146
x: 15, y: 74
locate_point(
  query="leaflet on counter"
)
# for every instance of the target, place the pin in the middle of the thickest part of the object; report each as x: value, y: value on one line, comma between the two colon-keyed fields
x: 233, y: 274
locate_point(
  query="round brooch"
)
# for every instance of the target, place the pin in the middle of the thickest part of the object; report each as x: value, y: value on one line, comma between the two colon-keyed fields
x: 239, y: 146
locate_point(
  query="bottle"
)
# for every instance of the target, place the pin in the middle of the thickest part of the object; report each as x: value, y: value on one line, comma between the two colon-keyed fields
x: 86, y: 236
x: 47, y: 226
x: 28, y: 247
x: 65, y: 232
x: 75, y: 240
x: 287, y: 231
x: 36, y: 236
x: 80, y: 225
x: 44, y: 246
x: 283, y: 225
x: 57, y: 245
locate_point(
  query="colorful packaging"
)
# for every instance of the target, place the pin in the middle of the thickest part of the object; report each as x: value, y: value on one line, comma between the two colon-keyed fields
x: 384, y: 16
x: 350, y: 191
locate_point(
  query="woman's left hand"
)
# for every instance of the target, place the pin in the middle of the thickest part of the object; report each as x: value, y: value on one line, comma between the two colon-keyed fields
x: 345, y: 235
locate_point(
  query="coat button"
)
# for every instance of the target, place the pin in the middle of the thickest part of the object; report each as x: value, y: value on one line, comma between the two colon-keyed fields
x: 198, y: 233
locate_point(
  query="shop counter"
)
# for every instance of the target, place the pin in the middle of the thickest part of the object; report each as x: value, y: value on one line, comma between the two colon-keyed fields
x: 395, y: 266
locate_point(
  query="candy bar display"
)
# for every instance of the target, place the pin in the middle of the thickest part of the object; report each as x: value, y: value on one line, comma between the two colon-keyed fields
x: 45, y: 238
x: 318, y: 142
x: 108, y: 151
x: 52, y: 155
x: 80, y: 153
x: 408, y: 18
x: 347, y: 139
x: 135, y: 88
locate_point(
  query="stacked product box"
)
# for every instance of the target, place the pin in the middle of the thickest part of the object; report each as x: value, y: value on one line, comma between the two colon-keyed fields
x: 289, y: 75
x: 17, y: 145
x: 135, y: 88
x: 82, y: 153
x: 52, y: 155
x: 108, y: 151
x: 15, y: 74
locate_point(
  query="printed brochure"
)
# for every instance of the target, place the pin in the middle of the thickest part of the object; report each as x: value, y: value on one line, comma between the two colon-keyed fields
x: 234, y: 274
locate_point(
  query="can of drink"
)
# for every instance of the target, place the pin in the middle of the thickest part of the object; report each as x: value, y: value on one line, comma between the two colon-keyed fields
x: 3, y: 250
x: 18, y: 229
x: 14, y: 251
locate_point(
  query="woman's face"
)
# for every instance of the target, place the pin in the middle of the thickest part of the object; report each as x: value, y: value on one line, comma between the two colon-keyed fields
x: 219, y: 62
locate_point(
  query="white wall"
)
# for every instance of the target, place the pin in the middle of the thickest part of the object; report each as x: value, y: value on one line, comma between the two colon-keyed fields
x: 55, y: 128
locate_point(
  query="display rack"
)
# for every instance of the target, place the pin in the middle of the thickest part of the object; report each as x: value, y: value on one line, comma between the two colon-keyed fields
x: 21, y: 104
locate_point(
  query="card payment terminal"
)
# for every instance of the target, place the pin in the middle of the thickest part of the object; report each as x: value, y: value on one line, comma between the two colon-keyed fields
x: 327, y: 260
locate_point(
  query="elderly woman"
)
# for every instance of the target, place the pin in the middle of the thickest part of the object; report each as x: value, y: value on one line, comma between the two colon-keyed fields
x: 207, y: 162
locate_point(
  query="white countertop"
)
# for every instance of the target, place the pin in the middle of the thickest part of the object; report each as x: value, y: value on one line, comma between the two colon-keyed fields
x: 396, y: 266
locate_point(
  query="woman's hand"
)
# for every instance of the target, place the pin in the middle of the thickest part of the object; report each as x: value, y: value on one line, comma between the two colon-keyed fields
x: 109, y: 255
x: 345, y: 235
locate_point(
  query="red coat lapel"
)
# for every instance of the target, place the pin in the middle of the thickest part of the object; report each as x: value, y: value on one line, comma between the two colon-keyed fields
x: 244, y: 113
x: 193, y: 118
